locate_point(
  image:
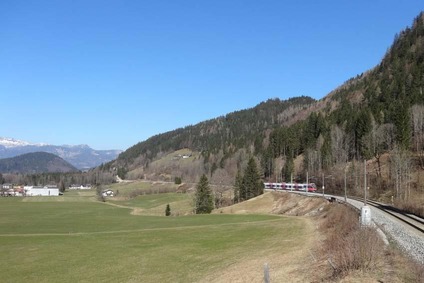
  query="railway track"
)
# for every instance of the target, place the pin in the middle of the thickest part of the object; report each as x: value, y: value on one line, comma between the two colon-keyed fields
x: 412, y: 220
x: 405, y: 229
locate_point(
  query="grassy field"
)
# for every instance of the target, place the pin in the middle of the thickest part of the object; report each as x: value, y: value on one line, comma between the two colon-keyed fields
x: 176, y: 156
x: 126, y: 188
x: 66, y: 240
x: 155, y: 204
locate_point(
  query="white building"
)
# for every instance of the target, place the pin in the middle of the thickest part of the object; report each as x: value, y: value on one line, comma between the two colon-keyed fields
x: 41, y: 191
x: 80, y: 187
x: 108, y: 193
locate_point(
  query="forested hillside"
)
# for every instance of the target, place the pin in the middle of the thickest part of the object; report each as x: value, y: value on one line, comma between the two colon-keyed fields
x: 36, y: 162
x: 377, y: 117
x: 228, y: 133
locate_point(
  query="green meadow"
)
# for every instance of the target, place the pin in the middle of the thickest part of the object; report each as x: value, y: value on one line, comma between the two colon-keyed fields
x: 126, y: 188
x: 72, y: 239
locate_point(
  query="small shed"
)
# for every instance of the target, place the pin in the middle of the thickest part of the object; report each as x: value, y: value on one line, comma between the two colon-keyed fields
x: 108, y: 193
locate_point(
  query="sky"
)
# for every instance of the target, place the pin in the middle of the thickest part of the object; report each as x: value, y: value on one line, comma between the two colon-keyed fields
x: 110, y: 74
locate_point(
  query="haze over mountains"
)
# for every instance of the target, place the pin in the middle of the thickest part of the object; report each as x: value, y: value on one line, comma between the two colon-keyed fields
x: 82, y: 157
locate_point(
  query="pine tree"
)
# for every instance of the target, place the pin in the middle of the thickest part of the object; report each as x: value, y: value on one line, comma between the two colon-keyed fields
x: 204, y: 201
x: 361, y: 127
x: 252, y: 184
x: 168, y: 210
x: 288, y: 168
x: 403, y: 128
x: 62, y: 186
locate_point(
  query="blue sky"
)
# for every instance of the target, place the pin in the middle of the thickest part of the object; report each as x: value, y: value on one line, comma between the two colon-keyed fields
x: 113, y: 73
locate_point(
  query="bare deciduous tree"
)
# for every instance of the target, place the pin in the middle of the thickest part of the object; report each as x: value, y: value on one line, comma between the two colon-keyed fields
x: 401, y: 166
x: 339, y: 145
x: 220, y: 183
x: 417, y: 113
x: 314, y: 162
x: 378, y: 141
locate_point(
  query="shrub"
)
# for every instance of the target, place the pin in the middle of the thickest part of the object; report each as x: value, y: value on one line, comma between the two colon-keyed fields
x: 348, y: 245
x: 361, y: 249
x: 177, y: 180
x: 167, y: 210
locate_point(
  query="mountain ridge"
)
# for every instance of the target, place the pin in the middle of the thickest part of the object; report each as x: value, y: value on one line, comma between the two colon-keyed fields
x: 81, y: 156
x: 36, y: 162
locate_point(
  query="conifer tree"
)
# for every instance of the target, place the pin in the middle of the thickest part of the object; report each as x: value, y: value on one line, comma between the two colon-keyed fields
x: 204, y: 201
x: 288, y: 168
x: 168, y: 210
x: 252, y: 184
x: 403, y: 128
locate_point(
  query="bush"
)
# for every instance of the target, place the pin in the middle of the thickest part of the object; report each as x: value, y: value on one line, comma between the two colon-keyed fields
x: 348, y: 245
x: 361, y: 249
x: 177, y: 180
x: 168, y: 210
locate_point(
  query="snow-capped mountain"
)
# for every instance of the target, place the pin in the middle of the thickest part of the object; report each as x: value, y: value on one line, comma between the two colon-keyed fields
x: 9, y: 142
x: 81, y: 156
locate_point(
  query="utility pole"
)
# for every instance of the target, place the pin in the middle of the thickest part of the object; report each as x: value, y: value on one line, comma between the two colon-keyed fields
x: 345, y: 193
x: 307, y: 181
x: 291, y: 181
x: 365, y: 210
x: 365, y: 182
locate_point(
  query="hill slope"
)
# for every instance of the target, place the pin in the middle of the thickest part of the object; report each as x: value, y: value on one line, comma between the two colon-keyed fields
x: 236, y: 130
x: 370, y: 115
x: 37, y: 162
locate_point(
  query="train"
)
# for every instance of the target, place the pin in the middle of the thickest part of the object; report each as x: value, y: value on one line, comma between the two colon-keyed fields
x: 309, y: 187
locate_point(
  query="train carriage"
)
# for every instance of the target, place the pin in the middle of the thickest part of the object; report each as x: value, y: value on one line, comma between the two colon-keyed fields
x: 310, y: 187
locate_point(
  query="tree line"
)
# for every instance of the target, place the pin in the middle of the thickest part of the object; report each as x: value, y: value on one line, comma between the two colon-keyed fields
x: 246, y: 186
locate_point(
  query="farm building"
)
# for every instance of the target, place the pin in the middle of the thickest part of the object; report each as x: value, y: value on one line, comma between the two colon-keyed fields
x: 41, y: 191
x: 108, y: 193
x: 11, y: 190
x: 7, y: 186
x: 80, y: 187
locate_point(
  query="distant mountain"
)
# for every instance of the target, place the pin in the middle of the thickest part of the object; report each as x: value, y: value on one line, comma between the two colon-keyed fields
x: 81, y: 156
x: 36, y: 162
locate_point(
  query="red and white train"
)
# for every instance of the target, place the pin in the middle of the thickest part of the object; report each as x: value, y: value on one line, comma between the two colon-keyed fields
x: 311, y: 187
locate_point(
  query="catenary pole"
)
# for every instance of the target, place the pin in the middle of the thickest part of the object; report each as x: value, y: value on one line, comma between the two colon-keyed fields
x: 345, y: 193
